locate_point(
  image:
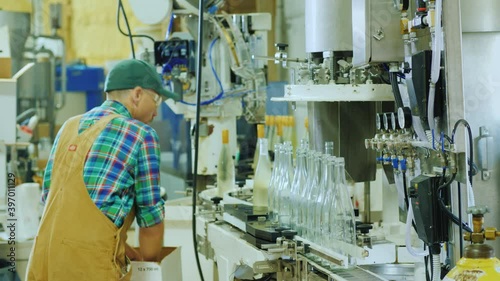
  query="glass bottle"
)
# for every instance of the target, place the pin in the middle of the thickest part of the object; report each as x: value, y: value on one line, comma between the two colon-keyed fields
x: 336, y: 214
x: 260, y: 135
x: 349, y: 223
x: 283, y: 195
x: 298, y: 183
x: 303, y: 203
x: 262, y: 176
x: 312, y: 193
x: 320, y: 197
x: 273, y: 184
x: 225, y: 166
x: 326, y: 226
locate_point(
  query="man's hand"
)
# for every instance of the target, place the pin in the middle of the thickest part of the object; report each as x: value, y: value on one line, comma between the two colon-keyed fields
x: 132, y: 254
x: 151, y: 242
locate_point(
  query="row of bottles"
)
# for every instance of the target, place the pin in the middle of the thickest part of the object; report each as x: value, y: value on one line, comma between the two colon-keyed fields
x: 311, y: 198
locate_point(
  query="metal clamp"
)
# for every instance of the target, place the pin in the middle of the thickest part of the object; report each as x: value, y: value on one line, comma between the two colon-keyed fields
x: 485, y: 144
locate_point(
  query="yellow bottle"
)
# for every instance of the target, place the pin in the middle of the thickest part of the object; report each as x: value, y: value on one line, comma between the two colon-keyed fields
x: 479, y: 262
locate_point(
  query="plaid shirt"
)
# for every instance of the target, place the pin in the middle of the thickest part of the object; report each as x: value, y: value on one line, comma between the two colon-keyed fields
x: 122, y: 166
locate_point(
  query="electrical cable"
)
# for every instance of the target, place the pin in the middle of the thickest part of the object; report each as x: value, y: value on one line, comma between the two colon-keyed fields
x: 197, y: 131
x: 471, y: 148
x: 395, y: 89
x: 406, y: 5
x: 169, y: 28
x: 461, y: 231
x: 449, y: 214
x: 426, y: 262
x: 129, y: 35
x: 221, y: 93
x: 407, y: 201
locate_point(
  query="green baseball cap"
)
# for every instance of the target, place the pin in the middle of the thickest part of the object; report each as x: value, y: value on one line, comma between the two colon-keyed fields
x: 131, y: 73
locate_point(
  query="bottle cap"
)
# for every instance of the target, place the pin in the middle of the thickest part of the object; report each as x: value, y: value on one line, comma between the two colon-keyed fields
x: 272, y: 120
x: 280, y: 129
x: 225, y: 136
x: 268, y: 120
x: 260, y: 131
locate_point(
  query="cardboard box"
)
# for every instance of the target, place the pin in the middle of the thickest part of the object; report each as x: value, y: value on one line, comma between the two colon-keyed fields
x: 5, y: 60
x: 5, y: 68
x: 43, y: 130
x: 169, y: 269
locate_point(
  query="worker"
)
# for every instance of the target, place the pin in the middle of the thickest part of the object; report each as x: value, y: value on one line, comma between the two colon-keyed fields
x: 103, y: 171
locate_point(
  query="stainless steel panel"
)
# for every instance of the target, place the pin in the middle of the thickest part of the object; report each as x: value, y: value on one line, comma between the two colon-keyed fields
x: 482, y: 101
x: 347, y: 124
x: 19, y: 29
x: 325, y: 25
x: 480, y: 16
x: 376, y: 32
x: 454, y: 97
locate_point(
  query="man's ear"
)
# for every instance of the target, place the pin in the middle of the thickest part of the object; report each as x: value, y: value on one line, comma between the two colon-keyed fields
x: 136, y: 95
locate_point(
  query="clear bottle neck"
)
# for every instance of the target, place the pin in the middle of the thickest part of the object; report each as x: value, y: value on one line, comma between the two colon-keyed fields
x: 329, y: 148
x: 301, y: 160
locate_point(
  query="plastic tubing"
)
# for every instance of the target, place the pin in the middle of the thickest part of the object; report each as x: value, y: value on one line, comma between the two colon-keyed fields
x: 413, y: 252
x: 436, y: 268
x: 437, y: 45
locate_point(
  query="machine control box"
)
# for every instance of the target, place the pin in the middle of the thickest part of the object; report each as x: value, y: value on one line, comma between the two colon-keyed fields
x: 431, y: 222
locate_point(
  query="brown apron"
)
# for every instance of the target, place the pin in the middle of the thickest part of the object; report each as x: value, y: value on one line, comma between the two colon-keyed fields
x: 76, y: 241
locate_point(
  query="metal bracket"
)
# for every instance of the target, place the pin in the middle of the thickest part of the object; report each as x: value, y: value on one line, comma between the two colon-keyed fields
x: 485, y: 145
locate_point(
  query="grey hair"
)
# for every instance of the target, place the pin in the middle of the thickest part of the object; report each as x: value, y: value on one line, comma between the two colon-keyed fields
x: 118, y: 95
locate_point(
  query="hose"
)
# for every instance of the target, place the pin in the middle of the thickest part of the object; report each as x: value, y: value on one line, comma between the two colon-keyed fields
x: 436, y: 268
x: 393, y: 77
x: 197, y: 133
x: 409, y: 220
x: 437, y: 45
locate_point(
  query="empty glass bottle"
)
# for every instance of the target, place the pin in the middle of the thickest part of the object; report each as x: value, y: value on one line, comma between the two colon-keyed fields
x: 273, y: 184
x: 342, y: 214
x: 303, y: 203
x: 326, y: 222
x: 349, y: 223
x: 225, y: 166
x: 283, y: 195
x: 320, y: 197
x: 299, y: 180
x: 312, y: 193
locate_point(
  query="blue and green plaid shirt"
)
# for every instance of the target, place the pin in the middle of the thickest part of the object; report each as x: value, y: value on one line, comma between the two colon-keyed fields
x: 122, y: 166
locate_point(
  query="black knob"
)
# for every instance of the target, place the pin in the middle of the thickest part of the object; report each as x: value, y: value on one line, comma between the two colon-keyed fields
x: 216, y: 200
x: 364, y: 228
x: 281, y: 46
x: 289, y: 234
